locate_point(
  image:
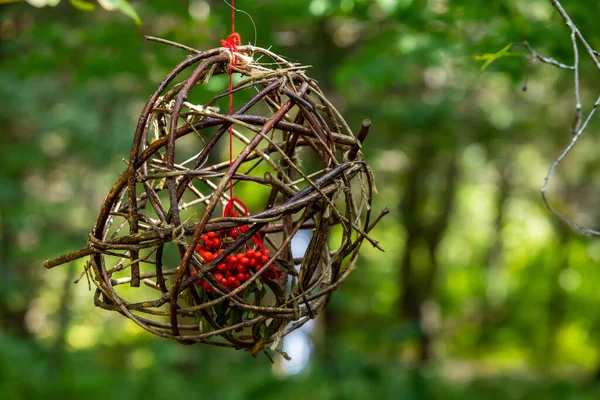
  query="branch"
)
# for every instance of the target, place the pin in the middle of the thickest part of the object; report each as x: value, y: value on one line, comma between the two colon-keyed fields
x: 579, y: 124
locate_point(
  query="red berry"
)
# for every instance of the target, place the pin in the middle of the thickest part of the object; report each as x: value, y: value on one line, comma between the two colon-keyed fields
x: 218, y: 277
x: 244, y: 228
x: 204, y: 237
x: 230, y: 279
x: 242, y: 268
x: 241, y: 276
x: 208, y: 256
x: 250, y: 253
x: 194, y: 272
x: 232, y: 259
x: 233, y: 233
x: 247, y: 276
x: 222, y: 267
x: 244, y: 260
x: 216, y: 243
x: 228, y: 273
x: 211, y: 235
x: 264, y: 260
x: 205, y: 285
x: 220, y: 251
x: 253, y: 263
x: 235, y: 282
x: 258, y: 255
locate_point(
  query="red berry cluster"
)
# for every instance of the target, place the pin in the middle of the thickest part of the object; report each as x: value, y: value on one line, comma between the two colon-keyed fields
x: 235, y: 269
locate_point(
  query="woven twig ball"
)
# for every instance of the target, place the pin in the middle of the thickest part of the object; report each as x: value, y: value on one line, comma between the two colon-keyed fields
x: 174, y: 252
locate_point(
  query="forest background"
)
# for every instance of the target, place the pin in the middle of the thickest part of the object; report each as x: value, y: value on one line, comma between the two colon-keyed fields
x: 481, y: 292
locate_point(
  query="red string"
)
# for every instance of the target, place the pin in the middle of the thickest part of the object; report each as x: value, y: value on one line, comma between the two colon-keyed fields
x: 232, y: 42
x: 228, y: 210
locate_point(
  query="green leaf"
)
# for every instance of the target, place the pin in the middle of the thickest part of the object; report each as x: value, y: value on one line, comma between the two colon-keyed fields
x: 262, y: 329
x: 126, y: 9
x: 491, y: 57
x: 121, y: 5
x: 83, y: 5
x: 257, y: 282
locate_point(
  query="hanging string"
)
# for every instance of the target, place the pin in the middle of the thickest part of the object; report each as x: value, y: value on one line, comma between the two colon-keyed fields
x: 232, y: 42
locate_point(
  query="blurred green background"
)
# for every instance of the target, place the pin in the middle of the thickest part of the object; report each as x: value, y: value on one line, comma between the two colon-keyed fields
x: 481, y: 292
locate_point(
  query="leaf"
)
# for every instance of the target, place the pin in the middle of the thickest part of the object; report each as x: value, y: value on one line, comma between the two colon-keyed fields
x: 257, y: 282
x: 235, y: 317
x: 121, y: 5
x: 109, y: 5
x: 43, y: 3
x: 130, y: 12
x: 83, y: 5
x: 491, y: 57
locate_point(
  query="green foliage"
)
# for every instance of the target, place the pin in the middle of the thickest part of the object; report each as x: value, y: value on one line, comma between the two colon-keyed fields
x: 506, y: 294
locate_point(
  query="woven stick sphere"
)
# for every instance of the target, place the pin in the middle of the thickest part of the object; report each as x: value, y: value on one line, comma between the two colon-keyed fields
x: 172, y: 251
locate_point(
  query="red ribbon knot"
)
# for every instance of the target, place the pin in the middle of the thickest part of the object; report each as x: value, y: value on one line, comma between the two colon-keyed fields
x: 232, y: 42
